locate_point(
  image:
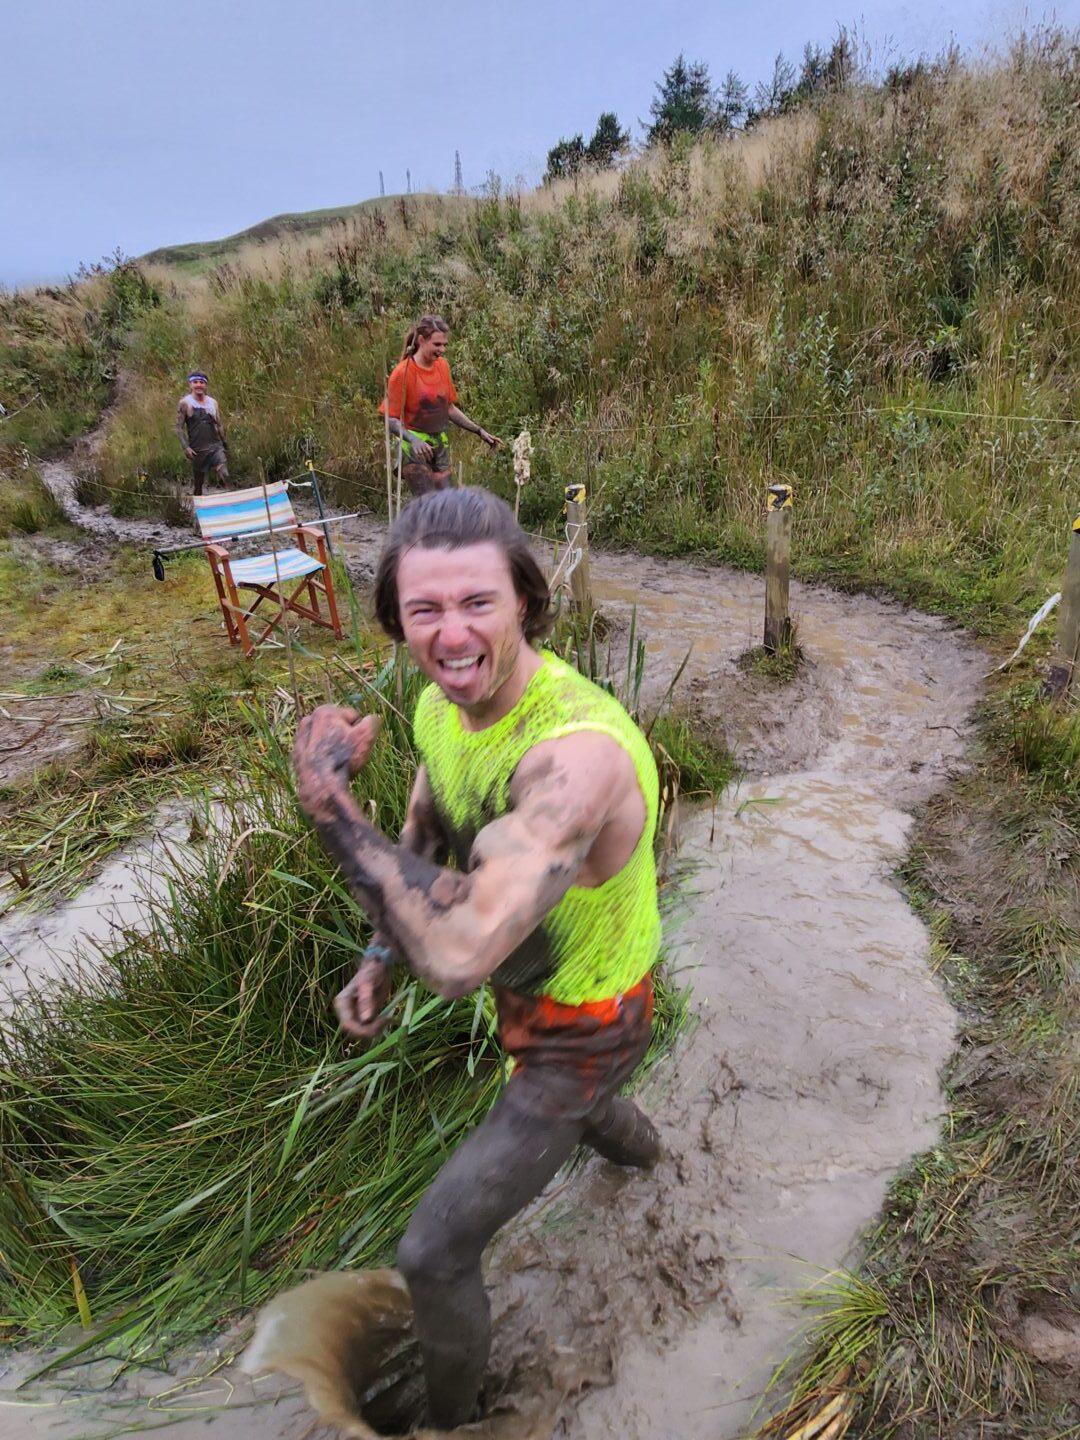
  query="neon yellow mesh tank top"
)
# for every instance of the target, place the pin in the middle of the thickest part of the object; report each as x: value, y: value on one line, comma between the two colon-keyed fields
x: 595, y: 943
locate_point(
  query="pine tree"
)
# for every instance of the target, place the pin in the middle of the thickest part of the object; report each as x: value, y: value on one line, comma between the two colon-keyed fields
x: 775, y: 97
x: 684, y: 102
x: 565, y: 159
x: 732, y: 106
x: 608, y: 142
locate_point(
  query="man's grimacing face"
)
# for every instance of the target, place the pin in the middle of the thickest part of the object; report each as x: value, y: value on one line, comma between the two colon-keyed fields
x: 462, y: 618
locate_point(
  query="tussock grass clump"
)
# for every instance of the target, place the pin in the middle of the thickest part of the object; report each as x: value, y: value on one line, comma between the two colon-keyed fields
x: 185, y: 1127
x: 689, y: 762
x: 781, y: 664
x: 1044, y: 739
x: 26, y: 506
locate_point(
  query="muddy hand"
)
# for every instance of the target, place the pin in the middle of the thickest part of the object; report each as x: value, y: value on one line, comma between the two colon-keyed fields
x: 331, y: 746
x: 359, y: 1007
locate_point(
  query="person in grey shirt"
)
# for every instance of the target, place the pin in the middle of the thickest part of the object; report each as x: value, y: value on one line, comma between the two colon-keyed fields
x: 200, y: 432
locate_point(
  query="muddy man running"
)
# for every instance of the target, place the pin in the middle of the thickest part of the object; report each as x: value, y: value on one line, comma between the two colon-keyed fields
x: 544, y: 793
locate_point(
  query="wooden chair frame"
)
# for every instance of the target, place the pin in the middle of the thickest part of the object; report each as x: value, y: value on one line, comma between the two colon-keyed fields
x: 237, y: 615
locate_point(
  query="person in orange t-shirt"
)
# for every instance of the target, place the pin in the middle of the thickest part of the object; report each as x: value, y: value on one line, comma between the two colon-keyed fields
x: 420, y: 402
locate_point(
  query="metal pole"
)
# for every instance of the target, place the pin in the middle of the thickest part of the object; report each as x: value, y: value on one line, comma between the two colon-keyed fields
x: 318, y: 502
x: 389, y: 461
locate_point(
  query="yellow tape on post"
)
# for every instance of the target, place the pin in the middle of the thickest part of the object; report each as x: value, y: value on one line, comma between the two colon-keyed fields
x: 575, y: 494
x: 779, y: 498
x: 1076, y: 524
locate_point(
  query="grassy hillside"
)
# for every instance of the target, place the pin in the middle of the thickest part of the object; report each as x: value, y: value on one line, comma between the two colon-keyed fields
x: 199, y: 256
x: 875, y: 300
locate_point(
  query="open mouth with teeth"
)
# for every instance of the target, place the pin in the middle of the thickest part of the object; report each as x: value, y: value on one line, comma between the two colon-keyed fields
x: 462, y: 666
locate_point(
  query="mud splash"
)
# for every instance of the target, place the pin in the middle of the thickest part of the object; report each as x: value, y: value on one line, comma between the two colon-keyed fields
x: 659, y: 1304
x: 348, y: 1339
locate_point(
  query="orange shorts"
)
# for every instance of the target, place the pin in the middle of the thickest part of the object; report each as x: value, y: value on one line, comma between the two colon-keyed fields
x: 570, y: 1058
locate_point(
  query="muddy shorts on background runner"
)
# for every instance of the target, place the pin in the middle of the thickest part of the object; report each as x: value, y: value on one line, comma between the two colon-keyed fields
x: 423, y: 476
x: 208, y: 462
x: 568, y: 1057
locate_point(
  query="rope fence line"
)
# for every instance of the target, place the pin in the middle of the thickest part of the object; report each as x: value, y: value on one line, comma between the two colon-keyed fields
x: 597, y: 429
x: 899, y: 408
x: 854, y: 412
x: 294, y: 482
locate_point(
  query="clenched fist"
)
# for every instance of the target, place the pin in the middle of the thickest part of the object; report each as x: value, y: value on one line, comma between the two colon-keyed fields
x: 332, y: 745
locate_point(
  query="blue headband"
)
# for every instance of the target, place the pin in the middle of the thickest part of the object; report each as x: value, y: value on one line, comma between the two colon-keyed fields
x: 198, y: 375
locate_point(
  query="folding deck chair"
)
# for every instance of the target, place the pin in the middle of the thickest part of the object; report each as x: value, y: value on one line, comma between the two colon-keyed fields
x: 236, y: 514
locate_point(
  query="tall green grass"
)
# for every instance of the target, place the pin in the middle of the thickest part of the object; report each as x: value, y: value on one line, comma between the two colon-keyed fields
x: 26, y: 506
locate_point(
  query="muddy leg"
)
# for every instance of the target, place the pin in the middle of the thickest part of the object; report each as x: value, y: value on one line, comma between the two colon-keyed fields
x: 623, y: 1134
x: 418, y: 476
x: 503, y: 1164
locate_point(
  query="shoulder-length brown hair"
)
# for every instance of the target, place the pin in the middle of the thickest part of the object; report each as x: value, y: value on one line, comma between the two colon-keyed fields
x: 448, y: 520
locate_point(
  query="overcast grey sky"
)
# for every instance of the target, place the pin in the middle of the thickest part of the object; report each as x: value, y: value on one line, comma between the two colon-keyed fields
x: 135, y: 124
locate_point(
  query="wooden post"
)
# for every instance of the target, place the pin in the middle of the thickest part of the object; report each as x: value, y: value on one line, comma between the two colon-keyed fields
x: 1063, y: 674
x: 778, y: 569
x: 389, y: 460
x: 577, y: 538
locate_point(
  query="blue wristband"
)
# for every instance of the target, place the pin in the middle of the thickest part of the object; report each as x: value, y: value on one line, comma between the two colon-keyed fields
x: 382, y: 953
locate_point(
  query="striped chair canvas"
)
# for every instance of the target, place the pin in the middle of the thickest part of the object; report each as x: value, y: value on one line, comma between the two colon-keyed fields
x: 244, y: 514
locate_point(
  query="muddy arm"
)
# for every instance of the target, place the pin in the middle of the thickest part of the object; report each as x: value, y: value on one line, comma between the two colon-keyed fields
x: 421, y: 833
x: 453, y: 929
x: 459, y: 418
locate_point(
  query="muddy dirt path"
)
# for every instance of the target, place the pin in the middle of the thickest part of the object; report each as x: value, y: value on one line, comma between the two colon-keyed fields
x: 655, y: 1305
x: 61, y: 478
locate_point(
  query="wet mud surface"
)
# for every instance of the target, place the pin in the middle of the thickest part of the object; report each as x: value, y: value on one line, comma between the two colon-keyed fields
x: 35, y: 729
x: 657, y: 1305
x: 61, y: 477
x: 37, y: 946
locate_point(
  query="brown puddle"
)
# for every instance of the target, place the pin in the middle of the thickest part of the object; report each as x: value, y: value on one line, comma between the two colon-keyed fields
x: 36, y: 945
x: 652, y: 1305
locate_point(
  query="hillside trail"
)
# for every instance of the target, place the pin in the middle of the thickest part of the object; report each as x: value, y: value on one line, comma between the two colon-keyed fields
x: 646, y: 1305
